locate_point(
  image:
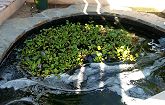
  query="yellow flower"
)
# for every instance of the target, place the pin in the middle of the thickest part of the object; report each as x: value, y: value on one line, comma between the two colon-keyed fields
x: 98, y: 48
x: 132, y: 58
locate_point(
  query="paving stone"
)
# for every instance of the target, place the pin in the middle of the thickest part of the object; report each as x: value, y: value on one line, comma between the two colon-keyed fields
x: 55, y: 13
x: 149, y: 19
x: 1, y: 52
x: 40, y: 15
x: 7, y: 38
x: 13, y: 28
x: 11, y: 35
x: 23, y: 23
x: 3, y: 47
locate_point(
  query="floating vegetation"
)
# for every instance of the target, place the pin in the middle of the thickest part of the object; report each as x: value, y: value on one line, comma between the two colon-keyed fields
x: 62, y: 48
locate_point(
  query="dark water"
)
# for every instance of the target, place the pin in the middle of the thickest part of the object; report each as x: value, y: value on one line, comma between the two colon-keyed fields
x: 92, y: 98
x: 8, y: 96
x: 105, y: 97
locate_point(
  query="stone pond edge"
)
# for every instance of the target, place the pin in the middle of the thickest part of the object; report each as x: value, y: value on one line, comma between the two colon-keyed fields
x: 18, y: 30
x: 14, y: 29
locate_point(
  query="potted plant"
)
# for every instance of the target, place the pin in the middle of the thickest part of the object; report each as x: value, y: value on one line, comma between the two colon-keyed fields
x: 41, y: 4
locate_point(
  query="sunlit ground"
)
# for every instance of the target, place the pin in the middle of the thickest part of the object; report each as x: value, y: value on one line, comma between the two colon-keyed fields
x: 142, y: 5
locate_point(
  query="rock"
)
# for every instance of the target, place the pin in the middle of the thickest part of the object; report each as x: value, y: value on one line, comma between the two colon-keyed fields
x: 18, y: 83
x: 119, y: 68
x: 157, y: 64
x: 137, y: 92
x: 162, y: 42
x: 2, y: 82
x: 112, y: 68
x: 89, y: 78
x: 93, y: 81
x: 10, y: 72
x: 116, y: 88
x: 112, y: 81
x: 64, y: 77
x: 160, y: 62
x: 158, y: 48
x: 22, y: 101
x: 8, y: 76
x: 88, y: 71
x: 53, y: 81
x: 147, y: 60
x: 77, y: 78
x: 72, y: 78
x: 95, y: 65
x: 91, y: 71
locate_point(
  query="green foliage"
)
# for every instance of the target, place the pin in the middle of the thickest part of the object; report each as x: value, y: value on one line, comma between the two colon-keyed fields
x: 62, y: 48
x: 124, y: 54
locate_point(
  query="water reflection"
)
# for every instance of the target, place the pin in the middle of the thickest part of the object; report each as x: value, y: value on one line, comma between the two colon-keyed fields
x: 104, y: 97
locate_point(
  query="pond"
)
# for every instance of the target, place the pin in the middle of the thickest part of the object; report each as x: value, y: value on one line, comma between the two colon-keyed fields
x: 110, y: 77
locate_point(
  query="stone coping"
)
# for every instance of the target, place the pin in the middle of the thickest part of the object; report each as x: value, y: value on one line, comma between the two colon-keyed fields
x: 13, y: 29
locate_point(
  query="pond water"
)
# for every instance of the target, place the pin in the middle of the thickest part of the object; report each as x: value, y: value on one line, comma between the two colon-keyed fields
x: 104, y: 97
x: 91, y: 84
x: 93, y: 98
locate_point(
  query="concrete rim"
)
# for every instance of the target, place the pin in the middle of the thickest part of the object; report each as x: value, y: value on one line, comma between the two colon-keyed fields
x: 142, y: 18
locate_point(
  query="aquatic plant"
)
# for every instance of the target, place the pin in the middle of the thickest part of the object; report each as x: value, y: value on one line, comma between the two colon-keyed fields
x: 58, y: 49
